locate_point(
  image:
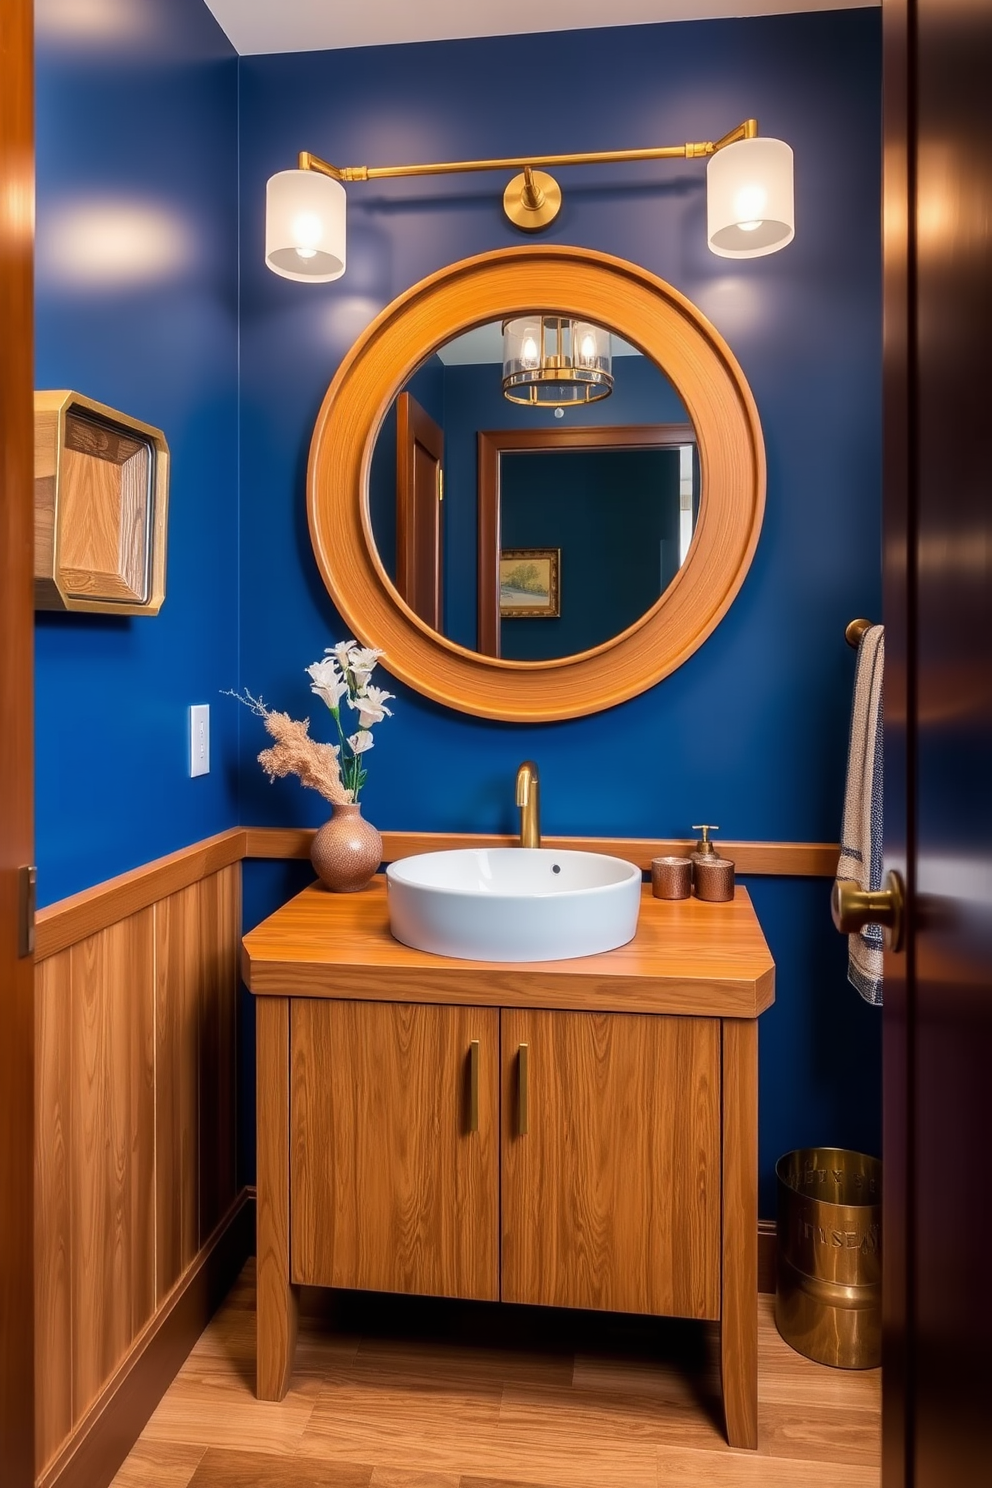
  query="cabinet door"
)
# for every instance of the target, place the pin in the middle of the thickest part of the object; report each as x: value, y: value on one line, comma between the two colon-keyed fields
x: 611, y: 1162
x: 394, y: 1147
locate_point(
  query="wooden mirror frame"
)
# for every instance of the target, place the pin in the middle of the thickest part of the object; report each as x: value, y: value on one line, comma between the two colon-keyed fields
x: 668, y: 328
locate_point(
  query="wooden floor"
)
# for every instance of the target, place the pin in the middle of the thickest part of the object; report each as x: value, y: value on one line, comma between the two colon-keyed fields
x: 410, y: 1393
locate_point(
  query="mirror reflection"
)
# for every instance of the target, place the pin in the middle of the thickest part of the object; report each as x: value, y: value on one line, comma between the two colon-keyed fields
x: 534, y: 488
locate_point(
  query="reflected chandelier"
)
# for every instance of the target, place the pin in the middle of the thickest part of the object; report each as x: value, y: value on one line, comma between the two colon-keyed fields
x: 553, y: 361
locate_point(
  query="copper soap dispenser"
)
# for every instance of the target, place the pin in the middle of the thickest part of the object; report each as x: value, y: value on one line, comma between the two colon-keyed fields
x: 712, y: 875
x: 704, y: 847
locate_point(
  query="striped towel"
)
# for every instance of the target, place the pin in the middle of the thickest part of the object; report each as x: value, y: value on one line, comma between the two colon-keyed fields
x: 861, y: 836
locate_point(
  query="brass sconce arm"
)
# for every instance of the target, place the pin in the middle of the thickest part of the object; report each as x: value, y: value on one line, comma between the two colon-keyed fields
x: 533, y: 198
x: 689, y: 151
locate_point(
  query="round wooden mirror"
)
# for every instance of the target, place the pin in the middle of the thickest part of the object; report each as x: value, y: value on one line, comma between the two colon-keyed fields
x: 668, y: 329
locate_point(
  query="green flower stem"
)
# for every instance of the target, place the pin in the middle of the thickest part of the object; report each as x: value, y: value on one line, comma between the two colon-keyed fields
x: 353, y: 778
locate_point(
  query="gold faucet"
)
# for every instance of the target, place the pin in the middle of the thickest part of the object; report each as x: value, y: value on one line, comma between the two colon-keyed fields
x: 529, y: 800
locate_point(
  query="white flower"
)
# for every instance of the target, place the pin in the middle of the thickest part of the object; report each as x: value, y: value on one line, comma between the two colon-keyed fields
x: 357, y: 662
x: 371, y: 705
x: 341, y: 653
x: 361, y: 667
x: 327, y: 682
x: 364, y: 658
x: 360, y: 742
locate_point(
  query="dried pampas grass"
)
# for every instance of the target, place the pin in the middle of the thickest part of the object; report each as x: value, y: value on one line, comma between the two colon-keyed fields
x: 295, y: 753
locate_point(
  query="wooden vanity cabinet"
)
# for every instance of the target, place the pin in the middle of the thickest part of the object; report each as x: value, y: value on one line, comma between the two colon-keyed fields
x: 394, y: 1143
x: 400, y: 1167
x: 611, y: 1197
x: 574, y: 1134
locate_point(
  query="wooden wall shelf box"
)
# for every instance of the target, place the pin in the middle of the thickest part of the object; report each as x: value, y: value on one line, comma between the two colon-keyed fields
x: 101, y: 493
x: 574, y: 1133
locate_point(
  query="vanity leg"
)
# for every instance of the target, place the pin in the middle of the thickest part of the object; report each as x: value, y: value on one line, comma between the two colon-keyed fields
x: 277, y: 1297
x: 739, y: 1301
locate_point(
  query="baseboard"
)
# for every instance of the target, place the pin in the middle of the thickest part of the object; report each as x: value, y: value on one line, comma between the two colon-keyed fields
x: 93, y: 1453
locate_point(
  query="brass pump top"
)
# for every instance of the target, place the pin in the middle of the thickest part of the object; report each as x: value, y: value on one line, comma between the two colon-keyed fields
x: 705, y: 848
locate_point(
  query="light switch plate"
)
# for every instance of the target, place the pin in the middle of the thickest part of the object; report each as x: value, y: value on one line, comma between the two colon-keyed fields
x: 199, y: 739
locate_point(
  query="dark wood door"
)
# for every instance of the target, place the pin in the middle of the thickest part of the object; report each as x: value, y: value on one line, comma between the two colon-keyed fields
x: 16, y: 771
x: 394, y: 1147
x: 937, y: 1414
x: 611, y: 1162
x: 419, y: 510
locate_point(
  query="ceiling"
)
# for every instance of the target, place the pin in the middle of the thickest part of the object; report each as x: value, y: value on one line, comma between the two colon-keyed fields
x: 258, y: 26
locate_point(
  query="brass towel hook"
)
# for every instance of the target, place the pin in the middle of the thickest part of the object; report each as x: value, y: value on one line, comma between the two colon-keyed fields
x: 854, y: 634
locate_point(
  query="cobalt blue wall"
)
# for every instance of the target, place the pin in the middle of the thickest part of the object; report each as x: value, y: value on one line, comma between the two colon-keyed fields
x: 751, y: 732
x: 137, y: 307
x: 608, y: 512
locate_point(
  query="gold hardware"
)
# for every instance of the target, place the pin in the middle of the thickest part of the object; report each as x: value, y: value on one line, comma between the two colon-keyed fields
x: 854, y: 634
x: 27, y: 887
x: 533, y: 198
x: 440, y: 484
x: 523, y: 1090
x: 528, y: 799
x: 473, y: 1086
x: 705, y: 848
x: 853, y: 908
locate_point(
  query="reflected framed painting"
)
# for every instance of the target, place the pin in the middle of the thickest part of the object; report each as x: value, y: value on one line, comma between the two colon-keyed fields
x: 529, y: 583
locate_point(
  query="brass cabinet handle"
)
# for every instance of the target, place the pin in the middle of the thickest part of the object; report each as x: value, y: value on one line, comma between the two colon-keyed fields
x: 473, y: 1086
x: 523, y: 1091
x: 853, y: 907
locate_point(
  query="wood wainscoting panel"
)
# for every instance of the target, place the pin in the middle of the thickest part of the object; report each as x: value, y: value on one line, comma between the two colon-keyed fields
x: 52, y: 1205
x: 219, y: 921
x: 113, y: 1147
x: 135, y: 1130
x: 177, y: 1084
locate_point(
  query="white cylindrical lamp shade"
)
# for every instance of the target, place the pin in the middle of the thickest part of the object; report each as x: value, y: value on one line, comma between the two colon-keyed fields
x: 305, y: 226
x: 750, y: 208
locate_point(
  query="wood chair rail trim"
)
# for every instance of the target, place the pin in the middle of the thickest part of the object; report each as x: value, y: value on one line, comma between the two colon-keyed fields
x: 71, y: 920
x: 778, y: 859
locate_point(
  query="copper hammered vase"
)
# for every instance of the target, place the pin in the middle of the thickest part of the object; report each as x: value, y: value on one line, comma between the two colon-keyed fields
x: 346, y: 850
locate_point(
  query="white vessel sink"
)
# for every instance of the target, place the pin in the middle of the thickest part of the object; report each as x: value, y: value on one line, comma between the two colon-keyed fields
x: 513, y: 903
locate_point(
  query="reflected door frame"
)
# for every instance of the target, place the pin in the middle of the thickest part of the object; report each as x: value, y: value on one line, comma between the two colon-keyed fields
x: 492, y: 443
x: 419, y: 510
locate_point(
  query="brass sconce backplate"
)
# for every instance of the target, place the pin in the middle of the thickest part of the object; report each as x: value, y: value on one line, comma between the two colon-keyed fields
x: 532, y: 200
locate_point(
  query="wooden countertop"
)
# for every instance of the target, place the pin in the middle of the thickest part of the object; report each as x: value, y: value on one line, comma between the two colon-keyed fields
x: 688, y: 957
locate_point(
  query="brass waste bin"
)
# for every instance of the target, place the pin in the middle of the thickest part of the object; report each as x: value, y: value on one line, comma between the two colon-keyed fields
x: 828, y: 1302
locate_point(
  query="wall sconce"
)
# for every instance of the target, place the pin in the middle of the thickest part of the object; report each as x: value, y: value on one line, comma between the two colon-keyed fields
x: 748, y: 179
x: 552, y: 361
